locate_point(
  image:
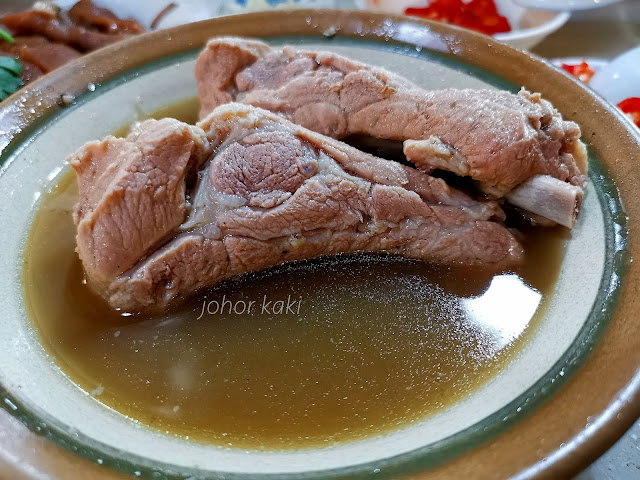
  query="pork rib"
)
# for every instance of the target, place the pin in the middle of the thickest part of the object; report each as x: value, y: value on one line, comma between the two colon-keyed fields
x: 132, y: 194
x: 499, y: 139
x: 271, y: 192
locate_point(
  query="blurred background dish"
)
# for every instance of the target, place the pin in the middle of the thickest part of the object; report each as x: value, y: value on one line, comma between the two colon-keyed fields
x: 583, y: 68
x: 620, y: 78
x: 234, y: 7
x: 617, y: 81
x: 182, y: 11
x: 528, y: 27
x: 565, y: 5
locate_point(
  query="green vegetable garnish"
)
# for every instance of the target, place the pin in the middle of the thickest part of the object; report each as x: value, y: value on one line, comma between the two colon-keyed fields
x: 11, y: 64
x: 10, y: 81
x: 4, y: 35
x: 10, y: 70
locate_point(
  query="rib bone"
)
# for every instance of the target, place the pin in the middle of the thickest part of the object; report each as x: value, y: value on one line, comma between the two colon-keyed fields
x: 550, y: 198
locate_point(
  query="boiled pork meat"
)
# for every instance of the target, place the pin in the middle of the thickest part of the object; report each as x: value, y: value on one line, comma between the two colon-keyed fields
x: 173, y: 208
x: 502, y: 141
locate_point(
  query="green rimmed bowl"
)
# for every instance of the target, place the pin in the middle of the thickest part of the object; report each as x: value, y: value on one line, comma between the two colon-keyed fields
x: 570, y: 392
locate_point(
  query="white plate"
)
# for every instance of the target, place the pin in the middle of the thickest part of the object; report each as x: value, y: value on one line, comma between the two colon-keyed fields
x: 620, y: 78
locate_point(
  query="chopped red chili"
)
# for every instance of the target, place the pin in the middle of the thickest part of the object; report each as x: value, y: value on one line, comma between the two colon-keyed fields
x: 583, y: 71
x: 479, y: 15
x: 631, y: 106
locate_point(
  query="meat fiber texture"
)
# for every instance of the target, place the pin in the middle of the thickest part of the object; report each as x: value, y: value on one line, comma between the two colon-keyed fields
x: 499, y: 139
x: 174, y: 208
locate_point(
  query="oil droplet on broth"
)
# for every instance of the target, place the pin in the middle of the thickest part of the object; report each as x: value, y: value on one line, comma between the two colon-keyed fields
x: 373, y: 344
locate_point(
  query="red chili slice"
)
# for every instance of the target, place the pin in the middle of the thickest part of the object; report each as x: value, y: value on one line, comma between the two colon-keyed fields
x: 631, y: 106
x: 583, y: 71
x: 480, y: 15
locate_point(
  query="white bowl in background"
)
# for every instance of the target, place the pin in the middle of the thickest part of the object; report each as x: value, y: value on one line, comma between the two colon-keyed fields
x: 616, y: 80
x: 596, y: 64
x: 185, y: 11
x: 529, y: 26
x: 620, y: 78
x: 562, y: 5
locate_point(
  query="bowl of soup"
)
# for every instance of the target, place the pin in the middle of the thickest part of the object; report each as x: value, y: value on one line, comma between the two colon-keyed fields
x: 335, y: 367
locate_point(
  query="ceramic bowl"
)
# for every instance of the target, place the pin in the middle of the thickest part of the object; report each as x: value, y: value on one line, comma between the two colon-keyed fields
x: 596, y: 64
x: 616, y: 80
x: 572, y: 390
x: 620, y: 78
x: 566, y: 5
x: 529, y: 26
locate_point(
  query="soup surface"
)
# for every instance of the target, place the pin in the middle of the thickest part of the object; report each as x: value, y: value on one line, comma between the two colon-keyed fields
x: 300, y: 356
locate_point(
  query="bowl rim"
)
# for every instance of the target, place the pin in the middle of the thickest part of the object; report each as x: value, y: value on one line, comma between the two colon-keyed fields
x: 569, y: 445
x: 546, y: 28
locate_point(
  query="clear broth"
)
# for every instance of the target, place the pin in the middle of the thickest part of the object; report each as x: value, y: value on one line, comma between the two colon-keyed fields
x: 369, y: 344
